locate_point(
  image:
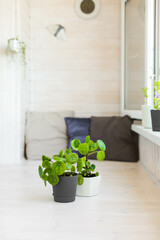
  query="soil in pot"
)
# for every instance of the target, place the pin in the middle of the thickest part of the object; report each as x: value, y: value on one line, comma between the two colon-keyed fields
x: 155, y: 114
x: 65, y: 190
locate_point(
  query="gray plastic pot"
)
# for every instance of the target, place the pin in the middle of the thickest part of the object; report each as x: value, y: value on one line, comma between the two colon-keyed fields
x: 155, y: 115
x: 65, y: 190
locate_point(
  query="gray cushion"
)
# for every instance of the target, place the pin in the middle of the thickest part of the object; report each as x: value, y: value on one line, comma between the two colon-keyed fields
x: 46, y: 133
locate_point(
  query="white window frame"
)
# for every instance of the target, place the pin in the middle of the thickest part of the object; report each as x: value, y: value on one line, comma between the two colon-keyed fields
x: 136, y: 114
x: 157, y: 47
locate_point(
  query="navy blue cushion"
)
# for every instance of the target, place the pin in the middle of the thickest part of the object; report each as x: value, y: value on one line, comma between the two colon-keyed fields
x: 78, y: 128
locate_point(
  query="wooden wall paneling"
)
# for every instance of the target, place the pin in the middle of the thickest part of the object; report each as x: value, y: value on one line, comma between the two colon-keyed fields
x: 82, y: 73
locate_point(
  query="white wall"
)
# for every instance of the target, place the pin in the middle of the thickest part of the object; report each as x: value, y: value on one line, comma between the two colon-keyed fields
x: 14, y: 81
x: 82, y: 74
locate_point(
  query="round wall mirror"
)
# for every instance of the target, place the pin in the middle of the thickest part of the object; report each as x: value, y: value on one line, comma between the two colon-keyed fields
x: 87, y: 8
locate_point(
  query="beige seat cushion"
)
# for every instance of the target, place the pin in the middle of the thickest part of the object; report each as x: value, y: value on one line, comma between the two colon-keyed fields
x: 46, y: 133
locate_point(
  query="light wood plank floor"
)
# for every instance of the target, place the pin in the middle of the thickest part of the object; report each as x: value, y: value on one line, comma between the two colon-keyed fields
x: 127, y: 208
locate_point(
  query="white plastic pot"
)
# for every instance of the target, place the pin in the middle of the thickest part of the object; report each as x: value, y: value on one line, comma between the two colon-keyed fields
x: 90, y: 187
x: 146, y: 116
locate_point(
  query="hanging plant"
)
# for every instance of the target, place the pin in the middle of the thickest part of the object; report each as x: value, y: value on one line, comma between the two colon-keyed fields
x: 14, y: 47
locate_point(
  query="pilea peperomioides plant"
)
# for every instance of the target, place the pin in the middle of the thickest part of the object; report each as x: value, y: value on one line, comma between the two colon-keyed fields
x: 84, y: 167
x: 62, y: 165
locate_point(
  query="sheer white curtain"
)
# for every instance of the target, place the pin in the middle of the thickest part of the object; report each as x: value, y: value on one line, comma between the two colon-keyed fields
x: 9, y: 85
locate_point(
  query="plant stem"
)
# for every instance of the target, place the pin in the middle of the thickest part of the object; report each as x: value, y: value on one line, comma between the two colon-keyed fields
x: 90, y: 154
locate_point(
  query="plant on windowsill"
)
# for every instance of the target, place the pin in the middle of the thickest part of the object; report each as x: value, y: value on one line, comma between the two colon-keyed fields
x: 155, y: 113
x: 88, y: 180
x: 14, y: 47
x: 146, y: 110
x: 61, y: 174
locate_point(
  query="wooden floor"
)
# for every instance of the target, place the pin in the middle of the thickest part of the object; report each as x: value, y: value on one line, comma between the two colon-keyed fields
x: 127, y: 208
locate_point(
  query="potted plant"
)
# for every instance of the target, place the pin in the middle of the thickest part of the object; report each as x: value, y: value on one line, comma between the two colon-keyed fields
x: 155, y: 113
x: 14, y: 47
x: 146, y: 111
x: 88, y: 179
x: 60, y: 173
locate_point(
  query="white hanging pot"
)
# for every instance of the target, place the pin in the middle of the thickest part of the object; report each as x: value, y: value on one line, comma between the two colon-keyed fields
x: 146, y: 116
x: 90, y: 187
x: 13, y: 45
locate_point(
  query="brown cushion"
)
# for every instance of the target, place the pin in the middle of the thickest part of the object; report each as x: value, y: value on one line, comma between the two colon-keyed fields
x: 121, y: 142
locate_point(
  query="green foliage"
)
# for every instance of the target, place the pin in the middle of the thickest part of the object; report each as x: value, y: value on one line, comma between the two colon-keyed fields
x: 53, y: 179
x: 45, y: 163
x: 73, y: 169
x: 75, y: 144
x: 45, y: 158
x: 157, y: 103
x: 50, y: 170
x: 157, y: 95
x: 59, y: 167
x: 80, y: 179
x: 21, y: 50
x: 67, y: 151
x: 93, y: 146
x: 61, y: 154
x: 72, y: 158
x: 57, y: 158
x: 87, y: 139
x: 93, y: 166
x: 40, y: 170
x: 145, y: 92
x: 83, y: 148
x: 101, y: 145
x: 66, y: 163
x: 101, y: 155
x: 79, y: 165
x: 84, y: 167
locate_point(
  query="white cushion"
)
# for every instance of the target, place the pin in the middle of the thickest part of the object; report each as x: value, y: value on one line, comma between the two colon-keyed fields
x: 46, y: 133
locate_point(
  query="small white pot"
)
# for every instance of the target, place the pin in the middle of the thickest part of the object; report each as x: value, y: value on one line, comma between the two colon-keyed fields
x: 90, y: 187
x: 146, y: 116
x: 13, y: 45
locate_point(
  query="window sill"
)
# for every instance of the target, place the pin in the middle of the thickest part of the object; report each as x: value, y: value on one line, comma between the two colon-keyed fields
x: 147, y: 133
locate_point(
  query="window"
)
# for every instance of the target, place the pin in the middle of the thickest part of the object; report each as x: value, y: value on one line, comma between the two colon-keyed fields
x: 138, y: 21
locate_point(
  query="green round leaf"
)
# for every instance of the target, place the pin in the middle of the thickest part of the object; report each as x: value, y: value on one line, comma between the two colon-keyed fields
x: 72, y: 158
x: 57, y: 158
x: 46, y: 163
x: 83, y: 148
x: 100, y: 155
x: 67, y: 151
x: 73, y: 169
x: 48, y: 170
x: 75, y: 144
x: 88, y: 164
x: 83, y: 159
x: 59, y: 167
x: 40, y: 171
x: 87, y: 139
x: 101, y: 145
x: 93, y: 167
x: 45, y: 158
x: 68, y: 165
x: 90, y: 141
x: 44, y: 177
x: 79, y: 165
x: 53, y: 179
x: 97, y: 174
x: 61, y: 153
x: 93, y: 146
x: 80, y: 179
